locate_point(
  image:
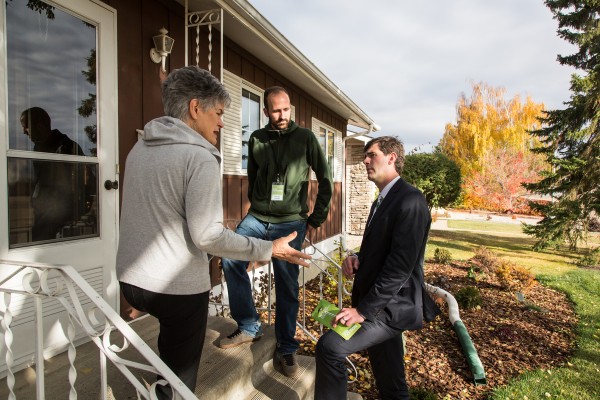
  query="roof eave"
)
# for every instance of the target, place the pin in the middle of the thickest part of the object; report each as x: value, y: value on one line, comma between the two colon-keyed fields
x: 301, y: 70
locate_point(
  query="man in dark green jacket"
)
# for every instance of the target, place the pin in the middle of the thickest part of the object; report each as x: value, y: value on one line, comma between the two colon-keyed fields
x: 280, y: 157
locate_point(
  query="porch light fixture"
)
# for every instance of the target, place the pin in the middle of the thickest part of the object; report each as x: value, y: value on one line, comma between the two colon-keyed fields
x: 163, y: 45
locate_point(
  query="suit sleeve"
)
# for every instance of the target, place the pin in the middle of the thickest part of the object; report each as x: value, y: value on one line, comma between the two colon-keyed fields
x: 411, y: 224
x: 320, y: 166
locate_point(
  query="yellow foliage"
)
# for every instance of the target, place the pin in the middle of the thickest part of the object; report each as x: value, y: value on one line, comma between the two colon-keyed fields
x: 514, y: 277
x: 486, y: 121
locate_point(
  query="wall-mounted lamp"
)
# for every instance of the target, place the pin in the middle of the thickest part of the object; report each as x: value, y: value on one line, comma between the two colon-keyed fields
x: 163, y: 45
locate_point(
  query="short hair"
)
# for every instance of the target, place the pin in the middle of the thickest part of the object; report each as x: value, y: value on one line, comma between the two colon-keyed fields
x: 185, y: 84
x: 387, y: 145
x: 35, y: 115
x: 272, y: 90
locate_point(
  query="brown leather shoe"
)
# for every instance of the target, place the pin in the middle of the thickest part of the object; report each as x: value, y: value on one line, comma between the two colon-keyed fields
x: 288, y: 363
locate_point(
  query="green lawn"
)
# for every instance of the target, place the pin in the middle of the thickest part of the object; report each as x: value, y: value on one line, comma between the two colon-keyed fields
x: 485, y: 226
x: 580, y: 377
x: 508, y: 241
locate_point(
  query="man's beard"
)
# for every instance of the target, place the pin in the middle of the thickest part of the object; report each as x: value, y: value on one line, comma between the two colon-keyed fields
x: 276, y: 124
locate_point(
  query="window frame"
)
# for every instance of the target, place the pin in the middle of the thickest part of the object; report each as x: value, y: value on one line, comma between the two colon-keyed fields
x: 261, y: 119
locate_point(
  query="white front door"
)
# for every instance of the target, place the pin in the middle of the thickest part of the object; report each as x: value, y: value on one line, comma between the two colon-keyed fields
x: 58, y: 122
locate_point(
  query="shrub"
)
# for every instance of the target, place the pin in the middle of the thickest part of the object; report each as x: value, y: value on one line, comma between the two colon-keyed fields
x: 488, y: 261
x: 468, y: 297
x: 591, y: 259
x: 421, y: 394
x: 514, y: 277
x: 442, y: 256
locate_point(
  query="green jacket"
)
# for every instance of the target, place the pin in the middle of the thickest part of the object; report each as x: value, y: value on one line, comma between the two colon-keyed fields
x: 291, y: 153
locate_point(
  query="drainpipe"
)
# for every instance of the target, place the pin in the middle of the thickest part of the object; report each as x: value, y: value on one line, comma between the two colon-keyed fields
x: 372, y: 128
x: 461, y: 332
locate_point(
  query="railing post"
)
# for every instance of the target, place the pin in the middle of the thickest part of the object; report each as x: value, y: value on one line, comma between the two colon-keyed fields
x: 39, y: 350
x: 36, y: 284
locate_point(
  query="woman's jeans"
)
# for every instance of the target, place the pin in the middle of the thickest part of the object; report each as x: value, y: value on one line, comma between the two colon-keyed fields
x: 239, y: 287
x: 182, y: 321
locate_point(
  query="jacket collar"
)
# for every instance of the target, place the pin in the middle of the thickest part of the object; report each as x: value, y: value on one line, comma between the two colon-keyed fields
x: 384, y: 204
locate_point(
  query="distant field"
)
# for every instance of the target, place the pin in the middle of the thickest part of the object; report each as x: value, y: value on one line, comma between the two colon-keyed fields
x: 485, y: 226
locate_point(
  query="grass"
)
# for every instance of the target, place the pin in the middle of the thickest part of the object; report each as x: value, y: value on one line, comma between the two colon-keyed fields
x: 516, y: 248
x: 485, y: 226
x: 580, y: 377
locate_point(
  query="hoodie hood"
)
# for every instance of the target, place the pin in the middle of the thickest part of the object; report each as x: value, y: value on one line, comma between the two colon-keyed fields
x: 168, y: 130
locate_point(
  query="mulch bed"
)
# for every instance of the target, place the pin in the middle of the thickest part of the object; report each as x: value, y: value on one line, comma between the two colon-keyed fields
x: 510, y: 336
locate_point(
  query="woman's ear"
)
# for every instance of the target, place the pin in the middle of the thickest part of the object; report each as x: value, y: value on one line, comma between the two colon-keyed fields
x: 194, y: 108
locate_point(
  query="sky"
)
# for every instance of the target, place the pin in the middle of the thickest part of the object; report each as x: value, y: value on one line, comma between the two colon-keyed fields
x: 406, y: 63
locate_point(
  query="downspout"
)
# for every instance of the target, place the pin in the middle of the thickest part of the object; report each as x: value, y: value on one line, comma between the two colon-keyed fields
x: 372, y: 128
x: 461, y: 332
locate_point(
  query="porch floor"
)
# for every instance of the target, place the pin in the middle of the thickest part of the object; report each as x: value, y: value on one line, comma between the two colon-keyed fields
x: 246, y: 371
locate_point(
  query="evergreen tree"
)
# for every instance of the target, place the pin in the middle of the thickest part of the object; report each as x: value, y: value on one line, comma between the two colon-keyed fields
x: 569, y: 138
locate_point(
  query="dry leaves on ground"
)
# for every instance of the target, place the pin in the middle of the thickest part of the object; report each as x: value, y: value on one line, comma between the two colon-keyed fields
x: 510, y: 336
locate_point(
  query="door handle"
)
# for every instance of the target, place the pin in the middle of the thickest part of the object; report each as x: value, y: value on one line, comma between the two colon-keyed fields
x: 108, y: 184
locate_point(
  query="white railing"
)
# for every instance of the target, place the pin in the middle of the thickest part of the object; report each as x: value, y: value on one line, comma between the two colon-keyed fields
x: 63, y: 283
x: 323, y: 262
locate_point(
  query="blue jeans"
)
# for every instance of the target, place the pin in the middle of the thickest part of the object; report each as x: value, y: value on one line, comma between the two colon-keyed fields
x: 239, y: 287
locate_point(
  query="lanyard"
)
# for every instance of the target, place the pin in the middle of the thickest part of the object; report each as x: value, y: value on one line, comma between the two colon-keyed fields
x: 278, y: 167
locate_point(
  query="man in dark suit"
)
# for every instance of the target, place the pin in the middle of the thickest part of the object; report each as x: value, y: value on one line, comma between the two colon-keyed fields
x: 388, y: 295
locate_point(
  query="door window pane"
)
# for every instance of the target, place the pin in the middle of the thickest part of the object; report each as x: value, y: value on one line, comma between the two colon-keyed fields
x: 250, y: 121
x: 52, y: 116
x: 51, y: 65
x: 51, y: 200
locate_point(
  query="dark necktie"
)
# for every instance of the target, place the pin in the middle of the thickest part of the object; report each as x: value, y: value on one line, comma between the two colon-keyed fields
x: 377, y: 203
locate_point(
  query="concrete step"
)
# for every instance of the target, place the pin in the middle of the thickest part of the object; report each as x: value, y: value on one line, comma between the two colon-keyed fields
x: 275, y: 385
x: 243, y: 372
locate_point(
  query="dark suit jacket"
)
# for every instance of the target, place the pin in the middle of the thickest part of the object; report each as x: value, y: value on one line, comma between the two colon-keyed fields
x: 389, y: 282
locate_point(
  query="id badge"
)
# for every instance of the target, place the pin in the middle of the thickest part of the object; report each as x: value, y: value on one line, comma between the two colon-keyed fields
x: 277, y: 191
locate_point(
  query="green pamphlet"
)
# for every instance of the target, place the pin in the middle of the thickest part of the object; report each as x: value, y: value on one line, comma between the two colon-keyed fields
x: 325, y: 313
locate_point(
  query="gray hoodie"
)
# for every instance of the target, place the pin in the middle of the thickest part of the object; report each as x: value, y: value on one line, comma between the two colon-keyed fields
x: 172, y: 213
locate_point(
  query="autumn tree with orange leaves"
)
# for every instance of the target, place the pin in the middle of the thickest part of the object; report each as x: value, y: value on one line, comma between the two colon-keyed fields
x: 491, y: 143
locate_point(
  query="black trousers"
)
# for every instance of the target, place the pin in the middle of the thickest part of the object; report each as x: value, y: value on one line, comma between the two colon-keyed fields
x: 384, y: 346
x: 182, y: 321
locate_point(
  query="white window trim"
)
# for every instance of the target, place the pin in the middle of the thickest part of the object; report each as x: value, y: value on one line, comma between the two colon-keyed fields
x: 262, y: 118
x: 336, y: 168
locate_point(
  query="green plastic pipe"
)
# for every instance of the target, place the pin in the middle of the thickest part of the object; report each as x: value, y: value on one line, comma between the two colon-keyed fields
x: 461, y: 332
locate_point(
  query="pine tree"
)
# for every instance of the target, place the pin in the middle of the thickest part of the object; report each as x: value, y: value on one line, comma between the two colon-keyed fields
x: 570, y: 137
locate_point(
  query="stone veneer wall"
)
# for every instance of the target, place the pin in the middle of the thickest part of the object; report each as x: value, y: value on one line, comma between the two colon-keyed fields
x: 359, y: 190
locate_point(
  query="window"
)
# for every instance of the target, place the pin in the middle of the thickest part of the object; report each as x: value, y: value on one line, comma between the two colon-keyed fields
x: 327, y: 141
x: 250, y: 121
x: 52, y: 132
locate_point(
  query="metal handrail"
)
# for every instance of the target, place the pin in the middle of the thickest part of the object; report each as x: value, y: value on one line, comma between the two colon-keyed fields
x: 60, y: 282
x: 324, y: 273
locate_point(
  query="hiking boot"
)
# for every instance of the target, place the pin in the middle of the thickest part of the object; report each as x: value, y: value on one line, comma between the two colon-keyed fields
x: 288, y: 363
x: 237, y: 338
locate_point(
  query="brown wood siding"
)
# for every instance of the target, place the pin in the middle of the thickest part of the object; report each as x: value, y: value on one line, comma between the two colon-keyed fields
x: 139, y: 93
x: 139, y: 90
x: 235, y: 188
x: 236, y: 205
x: 243, y: 64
